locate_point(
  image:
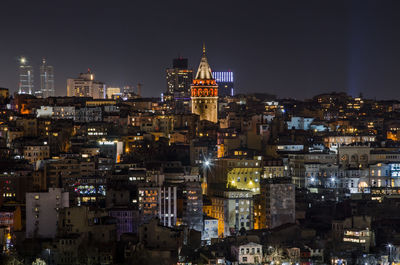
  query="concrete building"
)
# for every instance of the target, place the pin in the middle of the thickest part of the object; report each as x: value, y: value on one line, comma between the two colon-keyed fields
x: 273, y: 169
x: 250, y: 253
x: 168, y: 206
x: 354, y: 156
x: 299, y: 123
x: 63, y: 112
x: 193, y: 205
x: 127, y: 220
x: 86, y: 86
x: 93, y: 225
x: 88, y: 114
x: 245, y: 179
x: 210, y: 229
x: 277, y: 203
x: 233, y: 209
x: 36, y: 152
x: 158, y: 202
x: 42, y: 210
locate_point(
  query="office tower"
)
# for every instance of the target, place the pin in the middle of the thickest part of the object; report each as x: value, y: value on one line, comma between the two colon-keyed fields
x: 86, y: 86
x: 225, y: 83
x: 179, y: 78
x: 46, y: 80
x: 25, y: 85
x: 204, y: 92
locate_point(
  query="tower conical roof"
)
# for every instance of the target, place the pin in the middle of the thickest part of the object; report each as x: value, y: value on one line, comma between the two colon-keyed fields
x: 204, y: 70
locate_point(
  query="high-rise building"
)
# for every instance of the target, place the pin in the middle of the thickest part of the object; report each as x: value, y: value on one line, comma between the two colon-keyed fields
x: 46, y: 80
x: 179, y: 78
x: 86, y: 86
x: 25, y: 85
x: 225, y: 83
x: 204, y: 92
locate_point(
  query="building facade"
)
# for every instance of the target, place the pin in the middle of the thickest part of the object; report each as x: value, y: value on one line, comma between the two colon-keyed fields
x: 42, y: 212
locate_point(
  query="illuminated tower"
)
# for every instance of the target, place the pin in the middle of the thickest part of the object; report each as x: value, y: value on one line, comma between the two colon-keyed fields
x: 25, y: 85
x: 204, y: 92
x: 46, y: 80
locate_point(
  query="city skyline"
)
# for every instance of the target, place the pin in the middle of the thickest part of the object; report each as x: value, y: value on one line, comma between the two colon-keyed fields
x: 200, y: 132
x: 290, y: 49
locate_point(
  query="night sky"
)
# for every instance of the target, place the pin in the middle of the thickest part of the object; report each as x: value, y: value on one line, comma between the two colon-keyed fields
x: 295, y: 48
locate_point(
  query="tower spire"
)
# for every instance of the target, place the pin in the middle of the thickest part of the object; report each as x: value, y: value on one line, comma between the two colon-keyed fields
x: 204, y: 70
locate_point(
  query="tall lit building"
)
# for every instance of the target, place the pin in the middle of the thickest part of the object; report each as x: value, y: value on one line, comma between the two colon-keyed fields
x: 204, y: 92
x: 179, y: 78
x: 25, y: 85
x: 86, y: 86
x: 225, y: 83
x: 46, y: 80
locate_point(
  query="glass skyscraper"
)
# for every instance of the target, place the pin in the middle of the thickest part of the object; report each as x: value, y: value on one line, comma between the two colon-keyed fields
x: 46, y: 80
x: 25, y: 85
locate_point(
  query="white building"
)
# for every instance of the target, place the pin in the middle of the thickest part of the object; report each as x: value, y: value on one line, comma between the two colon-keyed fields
x: 44, y: 112
x: 42, y: 212
x: 210, y: 229
x: 168, y: 206
x: 160, y: 202
x: 250, y: 253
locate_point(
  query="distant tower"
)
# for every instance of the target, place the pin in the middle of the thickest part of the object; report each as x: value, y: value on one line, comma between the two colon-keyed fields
x: 25, y: 85
x: 204, y: 92
x: 46, y: 80
x: 139, y: 89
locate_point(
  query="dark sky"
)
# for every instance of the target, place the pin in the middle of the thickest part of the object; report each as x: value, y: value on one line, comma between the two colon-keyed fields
x: 291, y: 48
